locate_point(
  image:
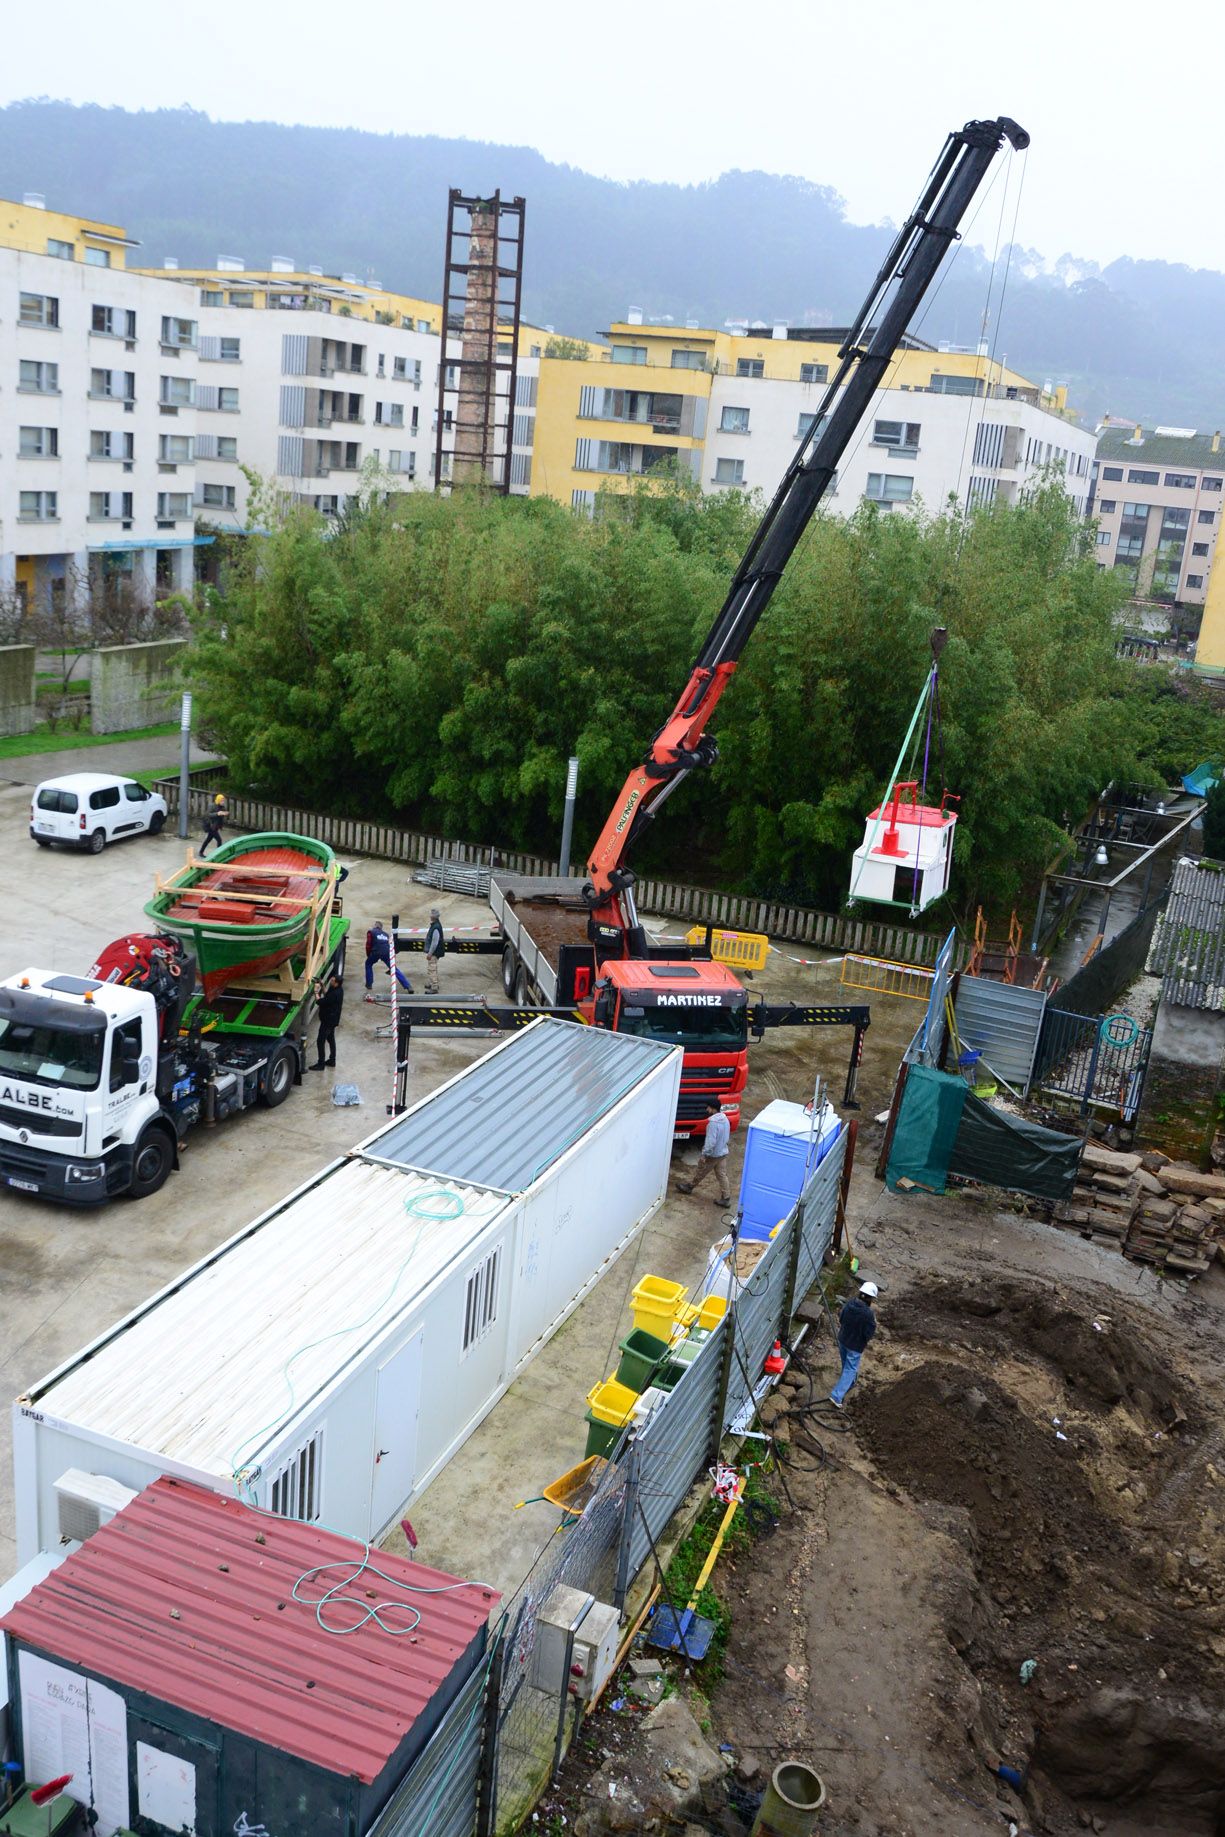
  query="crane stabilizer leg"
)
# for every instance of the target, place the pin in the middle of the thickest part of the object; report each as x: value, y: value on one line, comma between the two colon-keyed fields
x: 682, y: 743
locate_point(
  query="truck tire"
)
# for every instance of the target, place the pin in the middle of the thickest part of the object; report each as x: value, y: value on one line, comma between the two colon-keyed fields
x: 508, y: 972
x: 97, y: 842
x: 523, y: 994
x: 152, y: 1162
x: 278, y: 1076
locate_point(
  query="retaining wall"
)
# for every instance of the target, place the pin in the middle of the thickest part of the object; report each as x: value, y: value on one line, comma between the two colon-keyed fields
x: 17, y: 704
x: 135, y: 685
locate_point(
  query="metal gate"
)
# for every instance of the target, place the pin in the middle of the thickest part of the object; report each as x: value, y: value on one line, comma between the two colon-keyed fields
x: 1002, y: 1022
x: 1078, y: 1059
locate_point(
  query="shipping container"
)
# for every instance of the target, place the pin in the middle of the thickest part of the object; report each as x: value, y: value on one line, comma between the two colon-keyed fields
x: 327, y: 1361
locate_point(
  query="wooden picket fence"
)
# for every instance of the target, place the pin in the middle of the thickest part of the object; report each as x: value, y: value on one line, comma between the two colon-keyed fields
x: 693, y: 905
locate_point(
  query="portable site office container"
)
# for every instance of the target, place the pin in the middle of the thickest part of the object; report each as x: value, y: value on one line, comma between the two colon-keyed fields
x: 327, y: 1361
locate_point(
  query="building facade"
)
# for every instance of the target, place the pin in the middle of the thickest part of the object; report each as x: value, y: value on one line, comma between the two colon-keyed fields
x: 1157, y: 496
x: 730, y: 408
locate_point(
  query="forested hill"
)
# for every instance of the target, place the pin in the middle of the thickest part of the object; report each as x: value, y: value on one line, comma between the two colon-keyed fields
x: 1139, y: 338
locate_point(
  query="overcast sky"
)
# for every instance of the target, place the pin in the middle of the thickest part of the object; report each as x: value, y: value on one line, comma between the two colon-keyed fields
x: 1123, y: 109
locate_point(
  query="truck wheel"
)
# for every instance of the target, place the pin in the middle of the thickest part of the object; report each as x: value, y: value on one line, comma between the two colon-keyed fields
x: 508, y: 972
x: 97, y: 842
x: 152, y: 1162
x: 42, y: 841
x: 157, y: 822
x: 523, y: 998
x: 278, y: 1076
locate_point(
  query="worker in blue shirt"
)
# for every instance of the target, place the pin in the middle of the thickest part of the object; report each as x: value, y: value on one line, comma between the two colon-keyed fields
x: 714, y: 1154
x: 856, y: 1325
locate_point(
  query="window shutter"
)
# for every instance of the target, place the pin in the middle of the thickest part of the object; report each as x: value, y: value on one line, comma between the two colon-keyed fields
x: 525, y: 392
x: 206, y: 446
x: 586, y: 400
x: 583, y: 455
x: 289, y: 455
x: 210, y: 346
x: 293, y: 353
x: 293, y: 404
x: 524, y: 430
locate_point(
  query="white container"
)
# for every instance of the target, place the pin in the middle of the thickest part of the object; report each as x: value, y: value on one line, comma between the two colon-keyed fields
x: 327, y: 1361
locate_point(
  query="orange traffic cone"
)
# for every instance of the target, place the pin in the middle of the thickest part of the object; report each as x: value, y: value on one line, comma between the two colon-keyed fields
x: 775, y: 1362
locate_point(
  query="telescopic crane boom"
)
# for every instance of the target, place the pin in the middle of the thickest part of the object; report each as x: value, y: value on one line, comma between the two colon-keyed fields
x: 682, y: 743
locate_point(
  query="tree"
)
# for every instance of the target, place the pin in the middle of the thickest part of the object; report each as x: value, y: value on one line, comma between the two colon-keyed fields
x: 1214, y: 823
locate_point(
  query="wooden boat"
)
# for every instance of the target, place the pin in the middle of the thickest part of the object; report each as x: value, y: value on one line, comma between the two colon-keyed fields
x: 251, y: 908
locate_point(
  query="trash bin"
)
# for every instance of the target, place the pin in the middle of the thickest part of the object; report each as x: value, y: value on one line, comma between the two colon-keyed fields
x: 654, y: 1304
x: 640, y: 1354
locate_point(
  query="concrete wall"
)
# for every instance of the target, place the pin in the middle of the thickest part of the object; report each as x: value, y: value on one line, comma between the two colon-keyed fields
x: 135, y: 685
x: 17, y: 714
x: 1178, y: 1110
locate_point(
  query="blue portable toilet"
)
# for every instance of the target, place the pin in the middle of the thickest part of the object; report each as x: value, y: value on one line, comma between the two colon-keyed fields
x: 783, y: 1144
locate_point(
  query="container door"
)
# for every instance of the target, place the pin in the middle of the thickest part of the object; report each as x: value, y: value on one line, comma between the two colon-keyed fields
x: 174, y: 1781
x: 397, y: 1403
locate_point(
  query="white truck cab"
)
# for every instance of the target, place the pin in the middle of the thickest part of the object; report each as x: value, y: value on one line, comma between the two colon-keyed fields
x: 79, y: 1106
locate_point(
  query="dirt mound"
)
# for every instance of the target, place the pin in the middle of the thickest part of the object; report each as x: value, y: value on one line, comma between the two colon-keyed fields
x: 1103, y: 1358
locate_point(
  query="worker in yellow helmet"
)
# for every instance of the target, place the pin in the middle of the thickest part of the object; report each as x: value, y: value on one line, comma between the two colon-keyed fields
x: 217, y: 815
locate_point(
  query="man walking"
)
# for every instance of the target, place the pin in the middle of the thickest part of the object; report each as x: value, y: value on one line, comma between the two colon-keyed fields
x: 714, y: 1154
x: 435, y: 947
x: 214, y: 819
x: 856, y: 1325
x: 378, y: 950
x: 331, y: 1001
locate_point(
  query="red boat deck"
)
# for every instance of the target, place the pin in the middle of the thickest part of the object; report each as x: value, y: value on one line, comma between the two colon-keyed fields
x: 282, y: 882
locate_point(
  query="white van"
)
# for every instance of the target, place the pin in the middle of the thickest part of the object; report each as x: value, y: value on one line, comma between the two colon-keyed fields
x: 90, y: 809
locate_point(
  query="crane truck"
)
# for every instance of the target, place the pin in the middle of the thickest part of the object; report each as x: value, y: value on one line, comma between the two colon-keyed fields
x: 577, y: 945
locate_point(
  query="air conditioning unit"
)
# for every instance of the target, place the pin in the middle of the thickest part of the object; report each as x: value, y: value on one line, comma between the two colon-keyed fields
x: 87, y: 1501
x: 595, y: 1628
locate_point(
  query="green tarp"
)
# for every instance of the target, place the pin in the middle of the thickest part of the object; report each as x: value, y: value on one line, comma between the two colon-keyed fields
x: 943, y: 1129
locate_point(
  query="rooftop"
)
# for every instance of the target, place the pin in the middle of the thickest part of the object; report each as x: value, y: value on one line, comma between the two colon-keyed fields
x: 1188, y: 452
x: 189, y: 1598
x: 1188, y: 947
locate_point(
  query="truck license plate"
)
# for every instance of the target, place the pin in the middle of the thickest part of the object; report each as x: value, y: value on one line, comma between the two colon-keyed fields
x: 26, y: 1186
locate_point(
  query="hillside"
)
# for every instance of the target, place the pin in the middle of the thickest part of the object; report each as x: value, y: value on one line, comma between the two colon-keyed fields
x: 1139, y: 337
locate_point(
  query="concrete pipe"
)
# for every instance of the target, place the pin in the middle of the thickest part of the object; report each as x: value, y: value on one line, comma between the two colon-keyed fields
x: 793, y: 1798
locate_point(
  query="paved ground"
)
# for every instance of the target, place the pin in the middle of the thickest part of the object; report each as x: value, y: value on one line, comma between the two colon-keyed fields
x: 119, y: 756
x: 68, y: 1275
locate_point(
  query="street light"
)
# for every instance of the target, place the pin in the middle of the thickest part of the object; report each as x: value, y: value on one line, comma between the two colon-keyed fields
x: 1101, y: 859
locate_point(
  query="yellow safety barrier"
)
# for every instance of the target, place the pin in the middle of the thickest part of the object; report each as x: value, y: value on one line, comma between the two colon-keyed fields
x: 740, y: 950
x: 884, y: 977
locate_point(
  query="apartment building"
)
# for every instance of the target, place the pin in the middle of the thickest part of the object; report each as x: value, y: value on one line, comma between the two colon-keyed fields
x: 1157, y: 498
x: 734, y: 406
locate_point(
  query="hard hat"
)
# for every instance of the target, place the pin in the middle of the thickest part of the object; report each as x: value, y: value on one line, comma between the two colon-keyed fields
x: 870, y: 1290
x: 219, y: 799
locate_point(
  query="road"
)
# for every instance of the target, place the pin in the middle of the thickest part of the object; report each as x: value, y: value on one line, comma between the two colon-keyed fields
x: 120, y: 756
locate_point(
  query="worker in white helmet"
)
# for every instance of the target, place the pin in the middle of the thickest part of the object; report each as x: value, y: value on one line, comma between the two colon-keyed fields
x: 856, y: 1325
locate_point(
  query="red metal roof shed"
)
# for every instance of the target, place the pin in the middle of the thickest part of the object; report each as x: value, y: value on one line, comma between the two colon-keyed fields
x: 188, y: 1597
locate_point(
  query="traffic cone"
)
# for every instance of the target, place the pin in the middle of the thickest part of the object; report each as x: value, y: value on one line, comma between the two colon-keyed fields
x: 775, y: 1362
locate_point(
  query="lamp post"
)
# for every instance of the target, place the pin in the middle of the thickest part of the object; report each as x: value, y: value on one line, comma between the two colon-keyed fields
x: 567, y: 821
x: 184, y: 761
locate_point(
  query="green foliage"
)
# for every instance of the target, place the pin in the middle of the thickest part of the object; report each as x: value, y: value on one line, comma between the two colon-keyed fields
x: 1214, y: 823
x: 573, y: 349
x: 438, y: 660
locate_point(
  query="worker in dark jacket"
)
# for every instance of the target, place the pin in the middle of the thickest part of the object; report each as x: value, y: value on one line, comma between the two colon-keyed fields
x: 378, y: 950
x: 331, y: 1001
x: 435, y: 947
x: 856, y: 1325
x: 215, y: 819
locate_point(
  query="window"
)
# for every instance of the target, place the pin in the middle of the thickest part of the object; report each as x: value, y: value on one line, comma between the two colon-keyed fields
x: 173, y: 506
x: 734, y: 421
x: 394, y: 458
x: 38, y: 507
x: 1210, y: 484
x: 227, y: 446
x: 1197, y: 548
x: 35, y: 378
x: 112, y: 322
x: 481, y: 1300
x: 1114, y: 473
x: 211, y: 296
x: 1132, y: 532
x: 179, y: 334
x: 814, y: 373
x: 389, y: 414
x: 629, y: 353
x: 750, y: 366
x: 903, y: 436
x: 63, y: 251
x: 135, y: 794
x: 97, y: 258
x: 106, y: 507
x: 39, y: 309
x: 729, y: 472
x: 105, y: 445
x: 1103, y: 538
x: 804, y: 426
x: 178, y: 392
x: 176, y: 449
x: 1180, y: 481
x: 889, y: 487
x: 1137, y: 476
x: 955, y: 385
x: 296, y: 1489
x: 44, y: 443
x: 1205, y: 516
x: 227, y: 401
x: 217, y: 497
x: 230, y: 352
x: 1195, y: 580
x: 1106, y: 506
x: 242, y: 296
x: 688, y: 360
x: 399, y: 366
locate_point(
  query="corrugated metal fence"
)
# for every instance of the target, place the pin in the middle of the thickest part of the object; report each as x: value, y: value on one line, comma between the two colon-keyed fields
x: 439, y: 1797
x: 1003, y: 1022
x: 736, y: 911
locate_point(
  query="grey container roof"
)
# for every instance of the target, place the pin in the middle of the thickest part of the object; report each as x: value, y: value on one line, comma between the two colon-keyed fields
x: 509, y: 1116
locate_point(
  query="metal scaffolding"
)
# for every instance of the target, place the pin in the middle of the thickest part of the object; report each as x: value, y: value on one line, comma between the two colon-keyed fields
x: 481, y: 292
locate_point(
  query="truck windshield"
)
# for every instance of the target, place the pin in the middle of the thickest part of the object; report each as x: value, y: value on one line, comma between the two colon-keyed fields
x: 702, y: 1029
x: 49, y: 1055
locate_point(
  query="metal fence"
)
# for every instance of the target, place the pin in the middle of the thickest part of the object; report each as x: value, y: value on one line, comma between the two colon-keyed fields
x: 1078, y: 1059
x: 439, y: 1797
x: 700, y: 905
x: 927, y: 1046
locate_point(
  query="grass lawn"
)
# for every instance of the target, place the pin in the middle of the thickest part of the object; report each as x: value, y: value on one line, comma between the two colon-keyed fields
x: 44, y: 740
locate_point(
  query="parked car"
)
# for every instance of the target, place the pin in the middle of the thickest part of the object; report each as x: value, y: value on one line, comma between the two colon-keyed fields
x: 90, y: 809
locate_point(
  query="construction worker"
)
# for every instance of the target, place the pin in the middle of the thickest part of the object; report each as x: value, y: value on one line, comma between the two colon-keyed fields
x: 714, y: 1154
x: 435, y: 947
x: 856, y: 1325
x: 331, y: 1001
x: 378, y: 950
x: 216, y: 816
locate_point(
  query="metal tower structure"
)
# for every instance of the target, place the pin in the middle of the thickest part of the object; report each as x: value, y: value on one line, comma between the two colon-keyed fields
x: 481, y: 291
